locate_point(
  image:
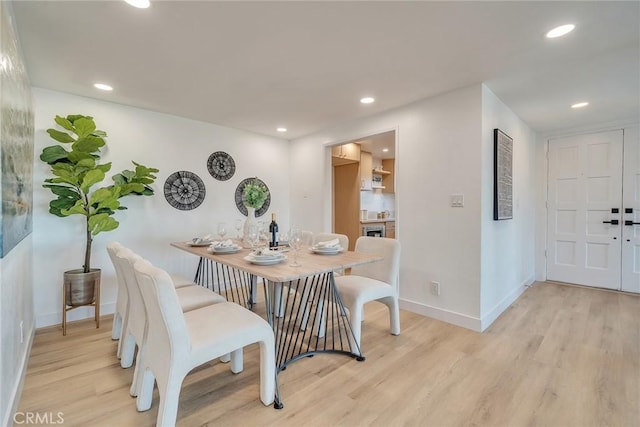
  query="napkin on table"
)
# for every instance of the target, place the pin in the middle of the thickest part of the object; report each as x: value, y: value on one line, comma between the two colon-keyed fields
x: 335, y: 243
x: 222, y: 243
x: 200, y: 240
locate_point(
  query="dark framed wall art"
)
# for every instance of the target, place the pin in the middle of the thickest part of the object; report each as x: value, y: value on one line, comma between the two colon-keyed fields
x: 502, y: 175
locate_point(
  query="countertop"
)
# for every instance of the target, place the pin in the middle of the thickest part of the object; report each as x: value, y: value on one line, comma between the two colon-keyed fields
x: 369, y: 221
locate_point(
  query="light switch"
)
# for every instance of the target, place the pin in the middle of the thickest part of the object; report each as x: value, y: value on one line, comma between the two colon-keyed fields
x: 457, y: 200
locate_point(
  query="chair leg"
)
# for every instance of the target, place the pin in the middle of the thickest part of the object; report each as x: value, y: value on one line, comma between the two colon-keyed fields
x: 116, y: 328
x: 145, y: 389
x: 169, y: 391
x: 394, y: 314
x: 355, y: 311
x: 137, y: 373
x: 267, y: 369
x: 128, y: 351
x: 237, y: 364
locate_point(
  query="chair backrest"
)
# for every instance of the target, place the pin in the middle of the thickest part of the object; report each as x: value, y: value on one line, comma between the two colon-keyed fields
x: 306, y: 237
x: 112, y: 250
x: 325, y: 237
x: 137, y: 318
x: 167, y: 331
x: 385, y: 270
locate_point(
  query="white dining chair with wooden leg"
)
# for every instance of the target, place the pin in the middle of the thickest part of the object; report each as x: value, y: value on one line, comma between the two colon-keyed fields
x: 376, y: 281
x: 177, y: 342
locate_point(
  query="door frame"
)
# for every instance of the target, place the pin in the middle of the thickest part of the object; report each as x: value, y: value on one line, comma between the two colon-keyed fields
x: 328, y: 214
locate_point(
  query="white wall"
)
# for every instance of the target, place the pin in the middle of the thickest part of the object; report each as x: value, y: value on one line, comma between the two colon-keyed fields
x: 437, y: 153
x: 508, y: 246
x: 169, y: 143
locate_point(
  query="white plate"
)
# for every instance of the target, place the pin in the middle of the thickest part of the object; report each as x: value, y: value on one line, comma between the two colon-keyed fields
x: 197, y: 245
x: 227, y: 250
x: 327, y: 251
x: 269, y: 261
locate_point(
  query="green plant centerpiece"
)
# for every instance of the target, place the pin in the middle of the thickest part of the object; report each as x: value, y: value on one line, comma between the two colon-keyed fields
x: 77, y: 171
x: 254, y: 195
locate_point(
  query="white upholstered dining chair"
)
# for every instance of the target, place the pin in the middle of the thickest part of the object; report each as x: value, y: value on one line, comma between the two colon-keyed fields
x: 189, y: 298
x: 372, y: 282
x: 177, y: 342
x: 122, y: 295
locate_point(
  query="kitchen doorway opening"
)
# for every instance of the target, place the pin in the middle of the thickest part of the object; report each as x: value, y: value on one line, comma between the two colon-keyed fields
x: 364, y: 189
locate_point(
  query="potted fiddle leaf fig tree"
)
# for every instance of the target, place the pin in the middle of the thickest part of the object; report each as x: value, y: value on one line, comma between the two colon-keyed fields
x: 76, y: 185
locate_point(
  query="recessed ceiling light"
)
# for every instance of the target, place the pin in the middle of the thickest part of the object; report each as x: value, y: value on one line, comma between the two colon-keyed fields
x: 385, y: 150
x: 560, y: 31
x: 367, y: 100
x: 281, y: 129
x: 140, y: 4
x: 102, y: 86
x: 579, y: 104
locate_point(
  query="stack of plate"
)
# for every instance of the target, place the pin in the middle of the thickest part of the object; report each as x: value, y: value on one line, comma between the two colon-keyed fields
x: 326, y: 250
x: 265, y: 257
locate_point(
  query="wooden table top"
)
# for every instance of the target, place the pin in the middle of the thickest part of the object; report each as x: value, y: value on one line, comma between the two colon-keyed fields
x: 310, y: 263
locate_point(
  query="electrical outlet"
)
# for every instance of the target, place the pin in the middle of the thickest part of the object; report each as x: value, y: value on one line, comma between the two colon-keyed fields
x: 435, y: 288
x: 21, y: 331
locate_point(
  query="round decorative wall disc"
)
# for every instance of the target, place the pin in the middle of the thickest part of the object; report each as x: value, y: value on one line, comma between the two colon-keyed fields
x: 184, y: 190
x: 240, y: 198
x: 221, y: 165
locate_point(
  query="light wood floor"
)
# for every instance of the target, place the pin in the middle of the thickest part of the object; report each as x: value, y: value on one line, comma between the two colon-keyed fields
x: 559, y: 356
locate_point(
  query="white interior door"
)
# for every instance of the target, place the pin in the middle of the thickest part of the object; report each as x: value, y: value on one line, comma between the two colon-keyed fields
x: 584, y: 189
x: 631, y: 213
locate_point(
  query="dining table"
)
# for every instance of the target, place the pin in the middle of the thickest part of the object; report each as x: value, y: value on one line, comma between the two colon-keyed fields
x: 302, y: 303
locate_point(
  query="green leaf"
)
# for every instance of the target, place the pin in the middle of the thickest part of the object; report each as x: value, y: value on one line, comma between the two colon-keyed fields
x: 64, y: 191
x: 64, y: 123
x: 77, y: 156
x: 78, y: 208
x: 73, y: 117
x: 99, y: 133
x: 53, y: 154
x: 119, y: 179
x: 102, y: 222
x: 60, y: 136
x: 57, y: 205
x: 106, y: 167
x: 131, y: 188
x: 92, y: 177
x: 128, y: 175
x: 101, y: 194
x: 88, y: 144
x: 84, y: 126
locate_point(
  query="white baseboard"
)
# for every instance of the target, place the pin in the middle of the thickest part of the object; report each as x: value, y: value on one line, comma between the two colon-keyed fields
x: 452, y: 317
x: 500, y: 307
x: 79, y: 313
x: 464, y: 320
x: 16, y: 390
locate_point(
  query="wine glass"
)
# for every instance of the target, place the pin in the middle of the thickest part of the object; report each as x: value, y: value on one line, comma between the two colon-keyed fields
x: 295, y: 242
x: 239, y: 223
x: 253, y: 235
x: 222, y: 230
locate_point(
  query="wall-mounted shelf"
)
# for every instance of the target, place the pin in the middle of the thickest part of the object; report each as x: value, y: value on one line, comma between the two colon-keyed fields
x: 380, y: 172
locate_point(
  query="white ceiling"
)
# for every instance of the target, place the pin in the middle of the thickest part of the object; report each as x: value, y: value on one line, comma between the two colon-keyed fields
x: 305, y: 65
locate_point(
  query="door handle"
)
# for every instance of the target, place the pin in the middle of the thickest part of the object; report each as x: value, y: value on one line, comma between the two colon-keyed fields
x: 630, y: 222
x: 612, y: 222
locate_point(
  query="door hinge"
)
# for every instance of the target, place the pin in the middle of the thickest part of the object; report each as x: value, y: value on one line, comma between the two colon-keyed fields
x: 545, y: 253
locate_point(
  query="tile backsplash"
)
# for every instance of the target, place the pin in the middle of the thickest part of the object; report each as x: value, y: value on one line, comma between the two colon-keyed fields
x: 376, y: 201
